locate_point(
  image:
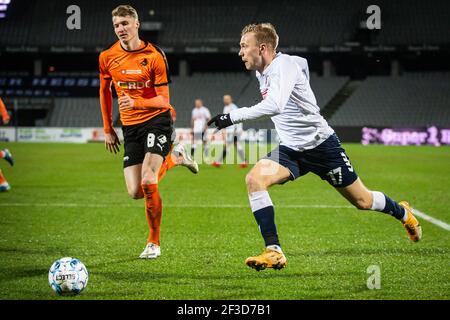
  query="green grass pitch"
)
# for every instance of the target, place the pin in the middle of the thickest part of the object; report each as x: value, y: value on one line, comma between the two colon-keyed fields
x: 70, y: 200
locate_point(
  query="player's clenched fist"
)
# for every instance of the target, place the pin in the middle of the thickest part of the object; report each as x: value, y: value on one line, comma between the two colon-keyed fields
x: 221, y: 121
x: 125, y: 102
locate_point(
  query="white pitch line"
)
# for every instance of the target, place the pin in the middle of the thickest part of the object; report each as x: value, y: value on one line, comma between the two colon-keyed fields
x: 428, y: 218
x: 420, y: 214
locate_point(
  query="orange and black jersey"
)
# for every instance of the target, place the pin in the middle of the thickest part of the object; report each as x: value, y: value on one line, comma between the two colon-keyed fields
x: 138, y: 74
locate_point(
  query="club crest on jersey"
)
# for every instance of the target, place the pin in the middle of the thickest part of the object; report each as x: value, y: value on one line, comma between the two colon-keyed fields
x: 266, y: 87
x: 144, y: 62
x: 264, y: 92
x: 131, y: 71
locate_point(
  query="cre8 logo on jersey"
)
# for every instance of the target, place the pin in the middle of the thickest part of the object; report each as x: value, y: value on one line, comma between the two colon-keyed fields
x: 135, y: 85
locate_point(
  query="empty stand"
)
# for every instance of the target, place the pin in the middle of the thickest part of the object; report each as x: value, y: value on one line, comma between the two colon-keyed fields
x: 203, y: 22
x: 411, y: 100
x: 78, y: 112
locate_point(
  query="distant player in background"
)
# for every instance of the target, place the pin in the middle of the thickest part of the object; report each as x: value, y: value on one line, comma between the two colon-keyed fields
x: 231, y: 135
x: 5, y: 154
x: 139, y: 71
x: 307, y: 143
x: 199, y: 119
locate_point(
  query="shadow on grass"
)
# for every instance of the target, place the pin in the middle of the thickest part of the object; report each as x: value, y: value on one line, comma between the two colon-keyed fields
x: 358, y: 251
x: 107, y: 263
x: 9, y: 274
x: 29, y: 250
x: 251, y: 285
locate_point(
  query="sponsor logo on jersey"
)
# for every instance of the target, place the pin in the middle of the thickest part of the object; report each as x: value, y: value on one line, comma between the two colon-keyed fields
x: 131, y: 71
x: 130, y: 85
x: 162, y: 139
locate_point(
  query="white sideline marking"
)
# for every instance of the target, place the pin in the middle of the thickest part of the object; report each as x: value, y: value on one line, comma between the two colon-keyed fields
x: 420, y: 214
x: 428, y: 218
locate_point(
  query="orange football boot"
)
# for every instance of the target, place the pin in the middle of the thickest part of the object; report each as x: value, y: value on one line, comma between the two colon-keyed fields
x: 411, y: 224
x: 270, y: 258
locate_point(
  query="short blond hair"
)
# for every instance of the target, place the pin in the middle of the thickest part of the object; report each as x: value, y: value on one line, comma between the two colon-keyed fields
x: 125, y: 10
x: 264, y: 33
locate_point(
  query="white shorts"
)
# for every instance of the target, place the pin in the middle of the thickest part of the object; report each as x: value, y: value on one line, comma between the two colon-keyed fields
x: 199, y: 136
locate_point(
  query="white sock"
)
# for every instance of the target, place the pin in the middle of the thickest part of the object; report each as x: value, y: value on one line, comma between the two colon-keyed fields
x: 378, y: 201
x: 259, y: 200
x: 275, y: 248
x: 405, y: 215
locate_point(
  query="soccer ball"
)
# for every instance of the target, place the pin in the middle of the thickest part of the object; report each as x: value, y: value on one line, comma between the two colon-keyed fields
x: 68, y: 276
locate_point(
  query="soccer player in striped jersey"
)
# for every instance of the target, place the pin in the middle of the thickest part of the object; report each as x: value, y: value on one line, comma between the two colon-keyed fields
x: 139, y: 72
x: 307, y: 142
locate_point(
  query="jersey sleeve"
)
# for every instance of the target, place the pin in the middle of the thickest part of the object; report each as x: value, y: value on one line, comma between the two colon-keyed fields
x: 105, y: 95
x: 161, y: 70
x: 104, y: 73
x: 282, y: 83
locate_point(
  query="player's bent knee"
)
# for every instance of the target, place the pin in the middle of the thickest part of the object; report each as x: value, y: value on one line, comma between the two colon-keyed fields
x: 363, y: 204
x: 136, y: 193
x: 149, y: 177
x: 249, y: 179
x: 254, y: 182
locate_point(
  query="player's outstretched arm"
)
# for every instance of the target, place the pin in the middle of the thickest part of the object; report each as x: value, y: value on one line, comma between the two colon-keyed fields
x: 283, y: 79
x: 221, y: 121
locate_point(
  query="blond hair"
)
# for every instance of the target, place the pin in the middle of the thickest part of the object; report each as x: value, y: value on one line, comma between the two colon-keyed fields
x: 264, y: 33
x: 125, y: 10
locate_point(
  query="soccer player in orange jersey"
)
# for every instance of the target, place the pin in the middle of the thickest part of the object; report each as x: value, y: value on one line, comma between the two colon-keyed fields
x: 139, y: 71
x: 4, y: 112
x: 5, y: 154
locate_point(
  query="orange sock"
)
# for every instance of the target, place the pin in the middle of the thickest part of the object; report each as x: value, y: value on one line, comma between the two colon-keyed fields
x: 2, y: 178
x: 153, y: 211
x: 166, y: 165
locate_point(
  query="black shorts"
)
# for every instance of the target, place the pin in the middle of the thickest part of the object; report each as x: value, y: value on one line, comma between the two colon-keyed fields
x: 328, y: 160
x: 154, y: 136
